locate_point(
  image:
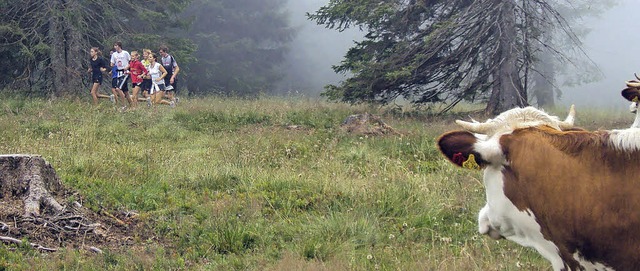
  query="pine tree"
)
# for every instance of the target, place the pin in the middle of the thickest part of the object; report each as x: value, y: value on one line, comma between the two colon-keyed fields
x: 441, y: 51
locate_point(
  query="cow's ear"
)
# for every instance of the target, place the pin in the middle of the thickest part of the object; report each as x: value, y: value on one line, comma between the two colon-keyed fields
x: 457, y: 146
x: 631, y: 94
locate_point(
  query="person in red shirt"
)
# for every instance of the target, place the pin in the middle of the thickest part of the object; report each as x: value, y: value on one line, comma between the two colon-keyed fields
x: 137, y: 71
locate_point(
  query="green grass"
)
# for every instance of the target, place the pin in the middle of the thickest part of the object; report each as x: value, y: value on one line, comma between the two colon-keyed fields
x: 223, y: 184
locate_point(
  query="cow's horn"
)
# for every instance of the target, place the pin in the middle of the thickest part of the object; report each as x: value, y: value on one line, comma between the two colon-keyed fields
x: 568, y: 122
x: 476, y: 127
x: 634, y: 74
x: 632, y: 83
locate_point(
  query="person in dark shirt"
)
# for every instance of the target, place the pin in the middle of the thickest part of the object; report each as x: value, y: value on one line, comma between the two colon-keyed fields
x: 97, y: 65
x: 171, y: 82
x: 146, y: 79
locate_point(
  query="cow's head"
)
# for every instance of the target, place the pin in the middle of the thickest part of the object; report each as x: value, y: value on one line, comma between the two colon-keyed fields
x: 478, y: 143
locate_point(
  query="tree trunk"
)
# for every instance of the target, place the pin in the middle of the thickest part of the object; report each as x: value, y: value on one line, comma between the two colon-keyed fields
x: 31, y: 179
x: 77, y: 51
x: 507, y: 91
x: 55, y: 37
x: 67, y: 53
x: 543, y: 80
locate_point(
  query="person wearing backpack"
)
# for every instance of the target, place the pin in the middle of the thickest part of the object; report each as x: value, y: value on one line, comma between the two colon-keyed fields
x: 169, y: 63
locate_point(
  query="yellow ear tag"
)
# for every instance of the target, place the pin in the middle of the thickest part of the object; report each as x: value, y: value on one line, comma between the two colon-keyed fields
x: 635, y: 99
x: 471, y: 163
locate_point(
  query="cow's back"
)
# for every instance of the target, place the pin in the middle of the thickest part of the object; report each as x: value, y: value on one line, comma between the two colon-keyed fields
x: 584, y: 194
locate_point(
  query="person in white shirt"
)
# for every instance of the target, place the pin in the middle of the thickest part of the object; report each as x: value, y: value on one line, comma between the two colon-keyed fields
x: 120, y: 59
x: 158, y: 73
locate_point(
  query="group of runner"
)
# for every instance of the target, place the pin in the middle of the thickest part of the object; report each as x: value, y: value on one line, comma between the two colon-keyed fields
x: 153, y: 76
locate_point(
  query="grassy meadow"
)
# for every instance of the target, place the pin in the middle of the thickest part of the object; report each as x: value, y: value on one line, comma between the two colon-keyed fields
x: 224, y: 184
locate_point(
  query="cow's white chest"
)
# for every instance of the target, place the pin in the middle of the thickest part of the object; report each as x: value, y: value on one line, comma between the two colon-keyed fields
x: 515, y: 225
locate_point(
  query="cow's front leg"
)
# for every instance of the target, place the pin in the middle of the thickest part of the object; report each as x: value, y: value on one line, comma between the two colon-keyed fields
x: 484, y: 225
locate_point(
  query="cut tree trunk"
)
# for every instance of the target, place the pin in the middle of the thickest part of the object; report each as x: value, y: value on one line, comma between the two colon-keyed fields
x: 32, y: 179
x: 31, y: 206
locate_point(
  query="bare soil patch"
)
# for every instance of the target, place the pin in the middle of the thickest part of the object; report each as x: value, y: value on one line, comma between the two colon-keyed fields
x: 367, y: 124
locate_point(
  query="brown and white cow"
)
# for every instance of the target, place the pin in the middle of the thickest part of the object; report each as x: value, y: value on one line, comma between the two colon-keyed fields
x: 572, y: 195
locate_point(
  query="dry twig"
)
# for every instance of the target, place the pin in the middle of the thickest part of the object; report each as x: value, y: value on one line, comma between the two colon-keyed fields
x: 8, y: 239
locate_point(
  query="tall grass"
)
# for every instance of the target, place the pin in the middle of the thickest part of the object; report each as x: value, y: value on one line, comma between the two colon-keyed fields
x: 225, y: 184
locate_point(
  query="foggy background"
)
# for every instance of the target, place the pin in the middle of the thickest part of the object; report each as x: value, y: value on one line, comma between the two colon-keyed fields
x: 612, y: 44
x: 314, y: 50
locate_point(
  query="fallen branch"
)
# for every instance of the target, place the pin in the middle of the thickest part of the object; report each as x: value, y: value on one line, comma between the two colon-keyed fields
x: 113, y: 217
x: 68, y: 223
x: 33, y: 245
x: 95, y: 250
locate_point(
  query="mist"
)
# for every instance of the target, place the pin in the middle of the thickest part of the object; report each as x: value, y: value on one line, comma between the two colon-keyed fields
x: 314, y: 50
x: 614, y: 47
x: 611, y: 44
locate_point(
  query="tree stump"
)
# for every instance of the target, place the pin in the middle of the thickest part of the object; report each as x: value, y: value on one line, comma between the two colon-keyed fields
x: 34, y: 205
x: 32, y: 179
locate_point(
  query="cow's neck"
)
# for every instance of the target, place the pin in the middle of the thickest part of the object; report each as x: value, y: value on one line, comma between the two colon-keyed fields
x: 633, y: 107
x: 636, y: 122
